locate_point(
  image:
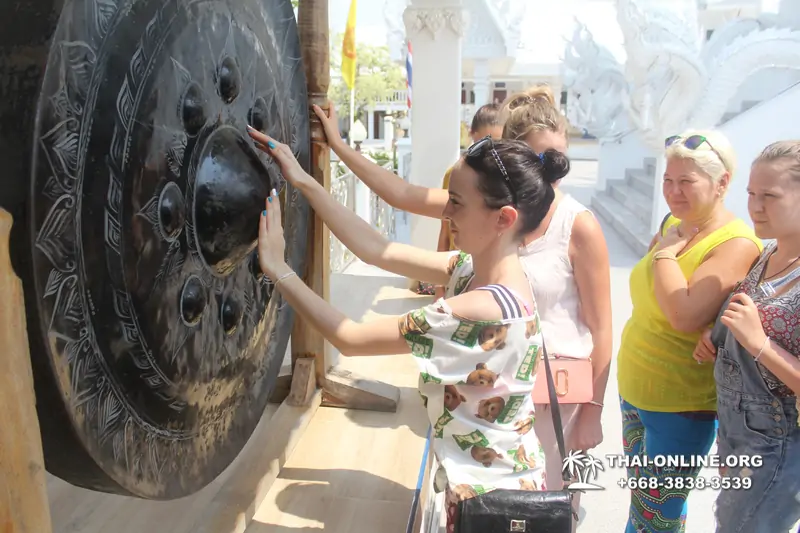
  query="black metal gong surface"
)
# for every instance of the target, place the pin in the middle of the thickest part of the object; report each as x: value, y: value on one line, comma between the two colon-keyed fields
x: 155, y: 340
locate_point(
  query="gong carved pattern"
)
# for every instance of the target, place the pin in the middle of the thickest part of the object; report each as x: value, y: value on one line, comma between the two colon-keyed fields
x: 164, y: 337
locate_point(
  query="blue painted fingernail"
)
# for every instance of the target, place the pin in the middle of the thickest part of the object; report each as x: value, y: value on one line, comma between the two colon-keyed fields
x: 271, y: 144
x: 269, y: 199
x: 264, y: 212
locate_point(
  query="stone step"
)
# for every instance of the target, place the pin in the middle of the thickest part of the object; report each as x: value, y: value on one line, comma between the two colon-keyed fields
x: 639, y: 204
x: 639, y: 180
x: 650, y: 166
x: 748, y: 104
x: 633, y: 231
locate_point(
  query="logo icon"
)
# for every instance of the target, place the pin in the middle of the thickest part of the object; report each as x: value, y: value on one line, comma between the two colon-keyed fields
x: 584, y: 467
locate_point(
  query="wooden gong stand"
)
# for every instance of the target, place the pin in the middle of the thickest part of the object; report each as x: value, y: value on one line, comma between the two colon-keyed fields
x: 24, y: 506
x: 310, y: 370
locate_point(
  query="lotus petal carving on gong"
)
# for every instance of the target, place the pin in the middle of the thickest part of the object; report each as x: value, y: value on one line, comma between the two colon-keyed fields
x: 160, y: 339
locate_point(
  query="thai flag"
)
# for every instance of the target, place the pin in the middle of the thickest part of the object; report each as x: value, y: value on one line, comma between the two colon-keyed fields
x: 408, y: 75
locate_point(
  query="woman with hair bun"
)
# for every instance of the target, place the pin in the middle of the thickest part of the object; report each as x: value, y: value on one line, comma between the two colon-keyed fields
x: 566, y: 259
x: 473, y: 346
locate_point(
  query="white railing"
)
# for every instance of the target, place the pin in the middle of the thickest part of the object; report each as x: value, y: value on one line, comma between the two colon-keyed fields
x: 343, y: 189
x: 348, y: 190
x: 395, y: 97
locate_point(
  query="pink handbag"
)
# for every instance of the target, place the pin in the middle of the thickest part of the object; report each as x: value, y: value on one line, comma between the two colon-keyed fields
x: 573, y: 380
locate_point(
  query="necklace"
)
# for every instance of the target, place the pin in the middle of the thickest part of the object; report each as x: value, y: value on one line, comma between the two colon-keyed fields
x: 770, y: 287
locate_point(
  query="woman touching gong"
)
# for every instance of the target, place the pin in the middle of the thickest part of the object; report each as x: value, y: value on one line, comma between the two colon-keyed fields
x: 477, y: 348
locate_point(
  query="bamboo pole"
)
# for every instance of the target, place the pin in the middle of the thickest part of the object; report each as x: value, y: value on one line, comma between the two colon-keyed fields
x: 23, y: 493
x: 312, y: 23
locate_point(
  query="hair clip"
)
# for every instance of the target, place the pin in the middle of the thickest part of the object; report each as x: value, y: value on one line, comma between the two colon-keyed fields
x: 541, y: 157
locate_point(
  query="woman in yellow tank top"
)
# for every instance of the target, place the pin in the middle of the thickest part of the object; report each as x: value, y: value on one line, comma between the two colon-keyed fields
x: 668, y: 400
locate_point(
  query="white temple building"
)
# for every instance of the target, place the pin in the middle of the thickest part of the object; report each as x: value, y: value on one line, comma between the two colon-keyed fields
x: 629, y: 72
x: 498, y: 58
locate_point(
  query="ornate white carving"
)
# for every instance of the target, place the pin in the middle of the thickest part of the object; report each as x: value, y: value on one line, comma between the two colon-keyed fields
x: 434, y: 19
x: 677, y: 81
x: 508, y: 15
x: 393, y: 17
x: 596, y: 86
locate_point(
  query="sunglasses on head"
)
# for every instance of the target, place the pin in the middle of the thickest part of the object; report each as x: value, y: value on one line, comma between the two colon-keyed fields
x: 692, y: 142
x: 477, y: 150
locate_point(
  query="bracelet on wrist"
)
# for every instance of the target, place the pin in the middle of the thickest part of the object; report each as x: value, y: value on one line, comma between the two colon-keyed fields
x: 761, y: 351
x: 284, y: 276
x: 664, y: 254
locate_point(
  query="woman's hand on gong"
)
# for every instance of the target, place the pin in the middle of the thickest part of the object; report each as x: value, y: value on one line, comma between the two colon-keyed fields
x: 271, y: 242
x: 281, y: 153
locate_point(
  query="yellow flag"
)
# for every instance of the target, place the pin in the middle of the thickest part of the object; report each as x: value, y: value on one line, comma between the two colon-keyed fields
x: 349, y: 48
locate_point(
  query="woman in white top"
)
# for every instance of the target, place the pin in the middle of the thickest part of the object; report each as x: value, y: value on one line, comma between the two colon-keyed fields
x: 566, y: 259
x: 478, y: 347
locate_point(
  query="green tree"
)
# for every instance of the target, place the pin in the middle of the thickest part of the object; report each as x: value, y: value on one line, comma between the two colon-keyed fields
x: 377, y: 77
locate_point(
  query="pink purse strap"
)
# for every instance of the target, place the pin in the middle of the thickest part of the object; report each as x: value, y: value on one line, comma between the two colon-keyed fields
x: 555, y: 409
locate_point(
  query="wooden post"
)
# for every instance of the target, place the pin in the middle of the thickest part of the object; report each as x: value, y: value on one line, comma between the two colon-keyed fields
x: 340, y: 388
x: 312, y: 24
x: 23, y: 491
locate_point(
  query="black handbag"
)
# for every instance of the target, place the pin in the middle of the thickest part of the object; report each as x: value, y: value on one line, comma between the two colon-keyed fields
x: 524, y: 511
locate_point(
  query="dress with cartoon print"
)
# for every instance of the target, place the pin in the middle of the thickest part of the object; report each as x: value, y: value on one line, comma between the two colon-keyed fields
x: 477, y: 378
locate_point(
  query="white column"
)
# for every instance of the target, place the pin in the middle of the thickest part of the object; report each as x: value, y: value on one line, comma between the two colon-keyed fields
x: 362, y: 201
x: 660, y: 207
x: 481, y: 87
x: 371, y: 124
x: 789, y: 11
x: 435, y: 28
x: 388, y: 133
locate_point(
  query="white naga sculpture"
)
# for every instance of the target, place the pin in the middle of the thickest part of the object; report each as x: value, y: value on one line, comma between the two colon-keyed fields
x: 677, y: 80
x: 597, y: 90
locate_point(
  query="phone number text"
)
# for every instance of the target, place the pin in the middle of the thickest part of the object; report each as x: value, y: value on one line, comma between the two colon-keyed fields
x: 685, y: 483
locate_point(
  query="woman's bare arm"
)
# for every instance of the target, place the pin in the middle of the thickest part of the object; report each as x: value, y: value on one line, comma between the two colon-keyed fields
x: 369, y: 245
x: 376, y: 337
x: 382, y: 336
x: 691, y: 306
x: 589, y: 257
x: 393, y: 189
x: 783, y: 364
x: 358, y: 236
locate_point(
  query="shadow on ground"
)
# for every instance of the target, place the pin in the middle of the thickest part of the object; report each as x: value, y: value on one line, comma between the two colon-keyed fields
x: 316, y: 496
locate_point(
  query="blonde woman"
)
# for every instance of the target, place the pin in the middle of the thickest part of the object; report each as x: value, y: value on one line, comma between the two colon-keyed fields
x: 757, y: 366
x: 668, y: 400
x: 566, y: 260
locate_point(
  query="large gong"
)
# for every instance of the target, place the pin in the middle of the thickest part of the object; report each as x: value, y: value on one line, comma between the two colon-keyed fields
x: 155, y: 340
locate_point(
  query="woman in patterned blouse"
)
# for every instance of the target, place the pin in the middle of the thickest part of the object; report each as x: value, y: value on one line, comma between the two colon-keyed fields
x: 756, y: 345
x: 477, y: 348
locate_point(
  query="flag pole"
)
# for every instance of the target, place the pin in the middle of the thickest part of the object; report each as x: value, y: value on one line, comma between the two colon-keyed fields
x: 352, y: 113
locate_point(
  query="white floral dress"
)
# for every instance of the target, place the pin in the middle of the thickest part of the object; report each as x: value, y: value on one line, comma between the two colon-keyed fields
x: 476, y: 378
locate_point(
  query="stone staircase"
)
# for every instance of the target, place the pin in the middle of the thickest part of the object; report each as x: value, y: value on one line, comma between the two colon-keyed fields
x: 746, y: 104
x: 627, y: 204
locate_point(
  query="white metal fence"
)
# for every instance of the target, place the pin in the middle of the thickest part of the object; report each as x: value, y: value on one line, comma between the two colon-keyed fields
x: 350, y: 192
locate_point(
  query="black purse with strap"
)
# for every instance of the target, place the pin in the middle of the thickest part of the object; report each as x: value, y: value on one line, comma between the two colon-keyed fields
x: 524, y: 511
